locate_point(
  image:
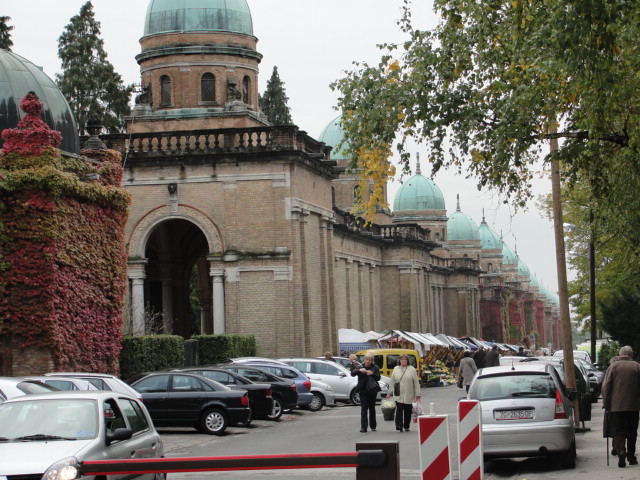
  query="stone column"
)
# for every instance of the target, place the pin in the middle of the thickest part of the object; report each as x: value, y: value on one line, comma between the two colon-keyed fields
x: 136, y: 273
x: 219, y: 324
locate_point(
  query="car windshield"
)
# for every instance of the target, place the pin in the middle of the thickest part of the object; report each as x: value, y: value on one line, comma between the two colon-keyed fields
x: 40, y: 420
x: 527, y: 385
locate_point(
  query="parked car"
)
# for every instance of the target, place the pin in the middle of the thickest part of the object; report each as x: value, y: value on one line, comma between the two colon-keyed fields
x: 102, y: 381
x: 525, y: 412
x: 67, y: 383
x: 336, y: 375
x: 596, y: 377
x: 176, y: 399
x: 282, y: 370
x: 283, y: 390
x: 256, y: 360
x: 322, y: 395
x: 49, y: 435
x: 576, y: 354
x: 260, y: 394
x: 11, y: 387
x: 344, y: 361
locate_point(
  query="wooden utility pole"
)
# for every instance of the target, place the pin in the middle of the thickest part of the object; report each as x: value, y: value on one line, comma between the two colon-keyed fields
x: 561, y: 266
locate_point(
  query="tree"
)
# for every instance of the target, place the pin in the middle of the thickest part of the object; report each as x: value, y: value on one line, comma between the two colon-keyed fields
x: 274, y: 101
x: 88, y: 80
x: 494, y: 81
x: 5, y: 36
x: 620, y: 318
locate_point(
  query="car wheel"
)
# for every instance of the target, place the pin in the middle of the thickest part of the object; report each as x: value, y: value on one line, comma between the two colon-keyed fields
x: 568, y: 458
x: 278, y: 408
x: 247, y: 422
x: 355, y: 397
x: 214, y: 422
x: 317, y: 402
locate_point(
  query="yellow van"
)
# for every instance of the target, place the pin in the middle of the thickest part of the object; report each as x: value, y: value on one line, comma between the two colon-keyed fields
x: 387, y: 358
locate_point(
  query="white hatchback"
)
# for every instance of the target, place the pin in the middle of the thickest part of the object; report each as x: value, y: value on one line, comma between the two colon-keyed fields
x: 525, y: 412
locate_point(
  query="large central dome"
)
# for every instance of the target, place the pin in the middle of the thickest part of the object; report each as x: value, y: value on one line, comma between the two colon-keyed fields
x: 165, y: 16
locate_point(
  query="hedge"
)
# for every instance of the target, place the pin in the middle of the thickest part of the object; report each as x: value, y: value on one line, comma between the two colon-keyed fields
x: 150, y: 353
x: 220, y: 348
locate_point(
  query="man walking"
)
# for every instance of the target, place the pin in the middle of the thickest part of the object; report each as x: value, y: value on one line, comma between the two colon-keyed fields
x: 492, y: 358
x: 621, y: 398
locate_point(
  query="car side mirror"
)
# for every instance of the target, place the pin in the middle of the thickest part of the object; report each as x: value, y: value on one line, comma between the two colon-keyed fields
x: 342, y: 374
x: 118, y: 435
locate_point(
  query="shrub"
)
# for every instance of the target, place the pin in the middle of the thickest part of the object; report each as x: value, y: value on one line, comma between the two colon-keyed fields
x: 221, y: 348
x: 151, y: 353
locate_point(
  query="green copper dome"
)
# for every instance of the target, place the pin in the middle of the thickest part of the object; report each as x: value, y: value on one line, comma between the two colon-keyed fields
x: 508, y: 255
x: 462, y: 227
x: 418, y: 193
x: 165, y: 16
x: 18, y: 76
x: 523, y: 269
x: 489, y: 240
x: 332, y: 135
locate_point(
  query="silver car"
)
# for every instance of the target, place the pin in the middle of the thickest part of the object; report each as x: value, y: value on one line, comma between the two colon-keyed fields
x: 65, y: 383
x: 11, y: 387
x: 334, y: 374
x: 322, y: 395
x: 525, y: 412
x: 102, y: 381
x: 48, y: 435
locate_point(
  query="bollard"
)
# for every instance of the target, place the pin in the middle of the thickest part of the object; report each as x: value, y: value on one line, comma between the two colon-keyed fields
x: 470, y: 456
x: 391, y: 468
x: 433, y: 431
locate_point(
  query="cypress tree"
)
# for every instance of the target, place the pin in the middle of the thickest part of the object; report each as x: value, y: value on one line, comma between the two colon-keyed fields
x: 5, y: 36
x: 274, y: 101
x: 88, y: 80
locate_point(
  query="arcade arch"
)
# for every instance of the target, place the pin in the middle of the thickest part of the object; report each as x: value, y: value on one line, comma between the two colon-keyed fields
x: 170, y: 274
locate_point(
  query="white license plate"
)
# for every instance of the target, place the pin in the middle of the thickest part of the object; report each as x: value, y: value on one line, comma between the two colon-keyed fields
x: 513, y: 414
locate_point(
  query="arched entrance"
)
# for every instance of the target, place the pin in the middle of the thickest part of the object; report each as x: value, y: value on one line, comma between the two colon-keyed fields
x: 172, y: 287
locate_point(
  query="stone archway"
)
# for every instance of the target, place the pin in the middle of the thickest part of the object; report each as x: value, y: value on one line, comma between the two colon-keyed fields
x: 171, y: 284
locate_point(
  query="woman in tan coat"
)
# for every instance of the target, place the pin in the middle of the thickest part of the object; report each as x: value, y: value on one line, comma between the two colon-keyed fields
x: 406, y: 377
x: 467, y: 369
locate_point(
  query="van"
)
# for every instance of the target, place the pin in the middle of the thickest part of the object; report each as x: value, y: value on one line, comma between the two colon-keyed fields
x: 387, y: 358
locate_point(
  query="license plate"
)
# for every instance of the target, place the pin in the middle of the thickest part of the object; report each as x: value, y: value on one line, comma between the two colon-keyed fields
x: 513, y: 414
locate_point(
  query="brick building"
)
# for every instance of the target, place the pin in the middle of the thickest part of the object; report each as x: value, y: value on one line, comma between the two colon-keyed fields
x: 255, y: 219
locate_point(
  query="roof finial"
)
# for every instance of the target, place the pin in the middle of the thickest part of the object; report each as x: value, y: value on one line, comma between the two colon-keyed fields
x: 483, y: 220
x: 418, y: 172
x: 458, y: 201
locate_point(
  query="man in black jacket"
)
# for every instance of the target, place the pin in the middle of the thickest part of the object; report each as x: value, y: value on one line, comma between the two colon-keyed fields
x: 492, y: 358
x: 478, y: 358
x: 368, y: 377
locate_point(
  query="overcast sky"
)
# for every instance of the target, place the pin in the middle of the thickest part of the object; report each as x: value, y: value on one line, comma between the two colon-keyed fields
x: 311, y: 42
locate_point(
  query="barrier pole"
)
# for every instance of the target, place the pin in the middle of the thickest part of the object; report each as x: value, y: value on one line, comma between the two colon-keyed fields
x: 470, y: 455
x: 433, y: 431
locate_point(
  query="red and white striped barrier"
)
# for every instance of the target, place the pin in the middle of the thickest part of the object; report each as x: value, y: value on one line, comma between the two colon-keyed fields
x: 470, y: 455
x: 433, y: 431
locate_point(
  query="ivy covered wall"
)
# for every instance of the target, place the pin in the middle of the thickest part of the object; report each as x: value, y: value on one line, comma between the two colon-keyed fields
x: 62, y: 257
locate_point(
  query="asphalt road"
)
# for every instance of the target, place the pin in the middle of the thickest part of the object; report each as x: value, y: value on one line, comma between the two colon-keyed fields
x: 337, y: 430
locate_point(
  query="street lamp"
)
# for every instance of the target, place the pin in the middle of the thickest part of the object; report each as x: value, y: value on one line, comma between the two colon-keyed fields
x: 592, y: 281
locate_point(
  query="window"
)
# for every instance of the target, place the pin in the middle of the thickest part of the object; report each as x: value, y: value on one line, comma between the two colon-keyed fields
x: 183, y: 383
x: 253, y: 375
x: 220, y: 377
x: 62, y: 384
x: 527, y: 385
x: 208, y: 88
x: 134, y: 414
x: 490, y: 268
x: 333, y: 196
x: 154, y: 384
x: 165, y: 90
x: 245, y: 89
x: 325, y: 369
x: 304, y: 367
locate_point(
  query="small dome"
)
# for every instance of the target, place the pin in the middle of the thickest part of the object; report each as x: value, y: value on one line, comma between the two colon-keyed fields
x: 462, y: 227
x: 418, y: 193
x: 508, y: 256
x: 523, y: 269
x: 489, y: 240
x: 332, y: 135
x: 164, y: 16
x: 534, y: 282
x: 18, y: 76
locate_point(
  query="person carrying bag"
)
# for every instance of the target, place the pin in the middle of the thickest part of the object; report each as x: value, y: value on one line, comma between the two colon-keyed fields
x: 405, y: 377
x: 368, y: 387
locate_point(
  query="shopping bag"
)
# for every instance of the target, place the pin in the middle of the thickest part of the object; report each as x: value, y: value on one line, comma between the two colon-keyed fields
x: 416, y: 411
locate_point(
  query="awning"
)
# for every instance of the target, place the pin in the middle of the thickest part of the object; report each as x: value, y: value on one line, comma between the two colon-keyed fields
x: 468, y: 343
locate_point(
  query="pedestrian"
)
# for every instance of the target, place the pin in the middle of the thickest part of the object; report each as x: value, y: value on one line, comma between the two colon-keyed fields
x: 406, y: 391
x: 478, y: 357
x: 329, y: 357
x: 492, y: 358
x: 368, y: 377
x: 353, y: 358
x: 621, y: 399
x: 521, y: 352
x: 467, y: 369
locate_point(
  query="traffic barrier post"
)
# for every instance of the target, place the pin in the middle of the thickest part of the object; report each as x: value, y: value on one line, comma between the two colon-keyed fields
x: 470, y: 455
x: 433, y: 431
